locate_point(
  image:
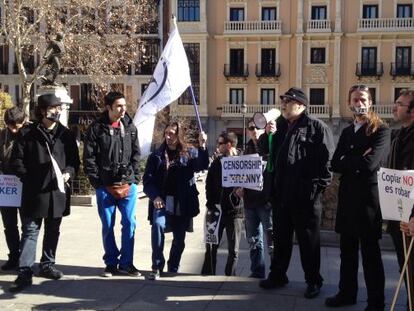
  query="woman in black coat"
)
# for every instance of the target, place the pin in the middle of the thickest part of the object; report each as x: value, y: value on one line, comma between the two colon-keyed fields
x: 362, y: 148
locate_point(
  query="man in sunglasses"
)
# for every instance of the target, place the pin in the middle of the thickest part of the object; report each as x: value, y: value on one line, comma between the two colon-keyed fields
x: 301, y: 151
x: 258, y: 211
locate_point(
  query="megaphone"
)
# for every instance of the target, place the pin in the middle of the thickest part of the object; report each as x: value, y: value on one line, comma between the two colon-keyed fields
x: 261, y: 119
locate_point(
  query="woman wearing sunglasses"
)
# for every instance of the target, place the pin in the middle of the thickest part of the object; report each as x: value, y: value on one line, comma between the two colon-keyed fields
x: 362, y: 148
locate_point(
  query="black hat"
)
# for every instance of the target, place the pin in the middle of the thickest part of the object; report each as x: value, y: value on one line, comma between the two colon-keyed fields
x: 295, y: 93
x: 46, y: 100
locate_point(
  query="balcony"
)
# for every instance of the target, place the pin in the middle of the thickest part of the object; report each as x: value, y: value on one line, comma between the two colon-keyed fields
x: 384, y: 111
x: 319, y: 25
x: 232, y: 71
x: 227, y: 110
x: 253, y: 27
x: 369, y: 70
x: 397, y: 70
x: 268, y: 71
x: 386, y: 24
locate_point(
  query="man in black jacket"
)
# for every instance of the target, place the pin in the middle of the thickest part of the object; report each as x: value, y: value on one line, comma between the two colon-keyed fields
x: 110, y: 158
x: 44, y: 157
x: 402, y: 158
x: 302, y: 149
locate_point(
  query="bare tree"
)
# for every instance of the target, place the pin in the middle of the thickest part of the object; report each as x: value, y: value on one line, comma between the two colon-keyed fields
x: 102, y: 38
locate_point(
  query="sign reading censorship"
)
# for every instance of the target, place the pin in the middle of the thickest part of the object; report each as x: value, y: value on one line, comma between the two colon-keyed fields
x: 396, y: 192
x: 10, y: 191
x: 243, y: 171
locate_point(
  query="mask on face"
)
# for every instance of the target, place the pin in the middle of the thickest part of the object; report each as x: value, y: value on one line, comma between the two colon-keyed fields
x: 53, y: 116
x: 360, y: 111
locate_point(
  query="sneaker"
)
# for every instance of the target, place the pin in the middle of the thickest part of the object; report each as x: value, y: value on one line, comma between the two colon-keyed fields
x: 312, y: 290
x: 24, y: 279
x: 339, y: 300
x: 154, y: 275
x: 130, y: 270
x: 110, y: 271
x: 50, y: 272
x: 270, y: 283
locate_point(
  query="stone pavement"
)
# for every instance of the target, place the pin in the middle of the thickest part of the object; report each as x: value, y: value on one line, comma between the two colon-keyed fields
x: 80, y: 258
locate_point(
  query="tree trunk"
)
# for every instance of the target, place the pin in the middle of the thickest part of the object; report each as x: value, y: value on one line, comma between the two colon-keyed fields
x: 26, y: 97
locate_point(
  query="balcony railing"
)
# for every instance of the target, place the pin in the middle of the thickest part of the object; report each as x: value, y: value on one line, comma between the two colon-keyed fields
x: 268, y: 71
x: 227, y: 110
x: 375, y: 69
x: 386, y: 24
x: 319, y: 25
x: 243, y: 27
x: 384, y: 111
x: 236, y: 71
x: 398, y: 70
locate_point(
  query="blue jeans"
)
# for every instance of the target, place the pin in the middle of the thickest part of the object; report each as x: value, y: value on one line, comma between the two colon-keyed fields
x: 107, y: 210
x: 178, y: 227
x: 30, y: 233
x: 258, y: 220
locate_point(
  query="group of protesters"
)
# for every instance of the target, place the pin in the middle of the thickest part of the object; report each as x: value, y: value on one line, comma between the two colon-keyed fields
x: 300, y: 156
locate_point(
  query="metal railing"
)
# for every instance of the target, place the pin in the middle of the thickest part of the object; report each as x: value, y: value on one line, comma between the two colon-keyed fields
x: 229, y: 110
x: 267, y: 70
x: 399, y: 70
x: 386, y: 24
x: 253, y: 27
x: 365, y: 69
x: 318, y: 25
x: 236, y: 71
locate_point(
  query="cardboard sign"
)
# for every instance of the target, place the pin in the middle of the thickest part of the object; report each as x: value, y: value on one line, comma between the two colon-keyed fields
x: 243, y: 171
x: 10, y: 191
x: 396, y: 193
x: 211, y: 225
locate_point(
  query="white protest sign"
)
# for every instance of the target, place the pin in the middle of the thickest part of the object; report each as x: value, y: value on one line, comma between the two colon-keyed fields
x: 212, y: 224
x: 242, y: 171
x: 10, y: 191
x: 396, y: 193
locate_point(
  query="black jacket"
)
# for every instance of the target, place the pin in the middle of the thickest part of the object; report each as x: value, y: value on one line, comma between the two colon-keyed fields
x: 7, y: 140
x: 301, y: 155
x: 111, y: 155
x: 31, y: 162
x: 358, y: 212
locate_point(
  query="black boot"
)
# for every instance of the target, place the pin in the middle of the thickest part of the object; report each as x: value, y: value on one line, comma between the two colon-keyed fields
x: 12, y: 263
x: 24, y: 279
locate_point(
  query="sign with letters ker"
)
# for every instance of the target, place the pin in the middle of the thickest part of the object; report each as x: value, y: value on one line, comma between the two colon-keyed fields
x: 10, y: 191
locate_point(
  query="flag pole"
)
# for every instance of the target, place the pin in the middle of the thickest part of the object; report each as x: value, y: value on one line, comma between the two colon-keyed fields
x: 196, y: 108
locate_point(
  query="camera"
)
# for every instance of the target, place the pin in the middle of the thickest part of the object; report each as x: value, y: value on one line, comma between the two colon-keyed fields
x: 119, y: 171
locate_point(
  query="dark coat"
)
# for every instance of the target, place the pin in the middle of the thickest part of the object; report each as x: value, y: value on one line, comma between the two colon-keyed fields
x: 7, y: 139
x: 217, y: 194
x: 31, y: 162
x: 187, y: 194
x: 358, y: 212
x: 301, y: 157
x: 109, y: 156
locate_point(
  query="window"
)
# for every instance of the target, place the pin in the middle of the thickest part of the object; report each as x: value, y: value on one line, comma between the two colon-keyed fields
x: 370, y: 11
x: 188, y: 10
x: 404, y: 10
x: 4, y: 59
x: 88, y: 97
x: 319, y: 12
x: 193, y: 55
x: 268, y: 62
x: 369, y: 60
x: 397, y: 91
x: 317, y: 56
x: 147, y: 60
x: 317, y: 96
x: 267, y: 96
x: 403, y: 59
x: 236, y: 14
x: 237, y: 62
x: 269, y: 14
x: 236, y: 96
x: 373, y: 92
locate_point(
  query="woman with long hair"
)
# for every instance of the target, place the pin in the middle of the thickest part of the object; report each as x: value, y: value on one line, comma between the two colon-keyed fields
x: 362, y: 148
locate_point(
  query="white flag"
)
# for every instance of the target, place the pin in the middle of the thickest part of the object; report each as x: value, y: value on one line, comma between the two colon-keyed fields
x: 170, y: 79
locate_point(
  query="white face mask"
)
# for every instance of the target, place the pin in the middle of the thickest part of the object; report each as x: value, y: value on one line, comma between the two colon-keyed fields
x: 360, y: 111
x: 53, y: 116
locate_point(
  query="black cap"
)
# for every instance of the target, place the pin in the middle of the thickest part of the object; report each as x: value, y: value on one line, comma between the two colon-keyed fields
x: 295, y: 93
x: 46, y: 100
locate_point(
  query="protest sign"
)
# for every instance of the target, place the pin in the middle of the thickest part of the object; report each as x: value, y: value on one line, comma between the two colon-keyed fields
x: 211, y: 225
x: 396, y: 193
x: 10, y: 191
x: 242, y: 171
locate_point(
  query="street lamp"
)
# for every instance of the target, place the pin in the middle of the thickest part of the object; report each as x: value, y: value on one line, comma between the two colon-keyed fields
x: 243, y: 110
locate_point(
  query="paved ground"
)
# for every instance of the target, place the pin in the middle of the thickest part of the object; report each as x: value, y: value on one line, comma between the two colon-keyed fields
x: 79, y: 257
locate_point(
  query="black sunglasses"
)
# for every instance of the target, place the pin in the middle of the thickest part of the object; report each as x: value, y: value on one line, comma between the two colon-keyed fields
x: 252, y: 128
x: 221, y: 143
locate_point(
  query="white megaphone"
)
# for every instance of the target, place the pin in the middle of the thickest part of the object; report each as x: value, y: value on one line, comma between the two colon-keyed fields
x: 261, y: 119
